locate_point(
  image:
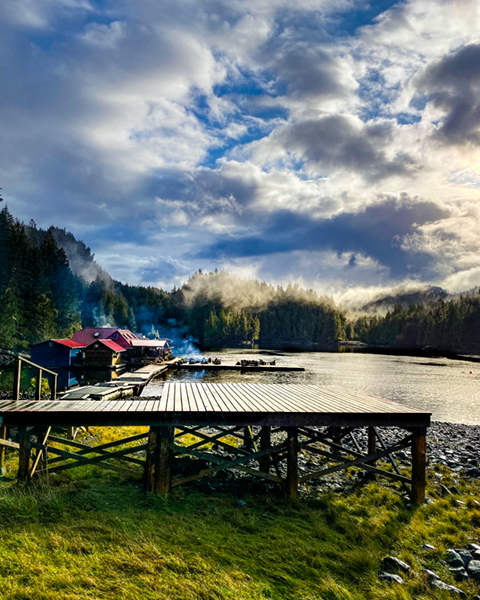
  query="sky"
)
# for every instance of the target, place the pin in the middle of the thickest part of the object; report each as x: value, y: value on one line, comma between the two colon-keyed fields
x: 335, y: 143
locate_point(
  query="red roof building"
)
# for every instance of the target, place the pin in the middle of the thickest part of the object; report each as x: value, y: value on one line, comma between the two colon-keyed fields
x: 69, y: 343
x: 87, y: 336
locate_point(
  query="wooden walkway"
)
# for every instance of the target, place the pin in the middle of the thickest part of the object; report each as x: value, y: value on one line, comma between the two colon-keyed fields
x: 311, y: 418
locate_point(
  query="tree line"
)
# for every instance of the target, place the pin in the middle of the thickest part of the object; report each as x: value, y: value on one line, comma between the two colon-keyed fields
x: 444, y: 325
x: 41, y: 297
x: 45, y: 295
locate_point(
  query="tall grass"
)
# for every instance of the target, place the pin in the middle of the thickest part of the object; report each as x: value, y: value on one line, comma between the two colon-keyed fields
x: 91, y: 534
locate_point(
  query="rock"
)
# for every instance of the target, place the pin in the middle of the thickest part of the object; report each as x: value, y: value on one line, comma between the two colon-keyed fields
x: 391, y: 578
x: 395, y: 564
x: 454, y: 490
x: 240, y: 504
x: 454, y: 560
x: 466, y: 556
x: 430, y: 574
x: 473, y: 547
x: 476, y: 555
x: 459, y: 573
x: 428, y: 547
x: 444, y: 490
x: 473, y: 570
x: 472, y: 472
x: 441, y: 585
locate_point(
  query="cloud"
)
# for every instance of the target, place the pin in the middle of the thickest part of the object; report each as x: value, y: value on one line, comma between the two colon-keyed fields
x: 271, y: 135
x: 452, y: 84
x: 375, y: 232
x: 337, y: 141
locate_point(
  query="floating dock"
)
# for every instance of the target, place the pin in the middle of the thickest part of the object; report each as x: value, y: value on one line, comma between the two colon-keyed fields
x: 246, y: 368
x: 128, y: 384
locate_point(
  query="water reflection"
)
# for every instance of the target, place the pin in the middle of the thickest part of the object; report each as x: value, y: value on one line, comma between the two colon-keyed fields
x: 450, y: 393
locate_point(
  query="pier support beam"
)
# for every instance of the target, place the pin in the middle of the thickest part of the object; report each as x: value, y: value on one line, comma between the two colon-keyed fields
x: 419, y: 453
x: 247, y: 438
x: 265, y: 444
x: 371, y: 443
x: 3, y: 436
x: 24, y: 454
x: 292, y: 463
x: 158, y: 461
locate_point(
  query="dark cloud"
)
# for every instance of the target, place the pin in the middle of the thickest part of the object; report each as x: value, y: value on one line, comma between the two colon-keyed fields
x: 304, y: 68
x: 375, y: 232
x: 453, y: 84
x: 335, y: 142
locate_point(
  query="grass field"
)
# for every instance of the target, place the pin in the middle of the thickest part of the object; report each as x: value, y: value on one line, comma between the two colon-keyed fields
x: 94, y: 534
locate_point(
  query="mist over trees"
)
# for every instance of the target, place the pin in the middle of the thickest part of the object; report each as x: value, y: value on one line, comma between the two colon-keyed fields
x: 51, y: 286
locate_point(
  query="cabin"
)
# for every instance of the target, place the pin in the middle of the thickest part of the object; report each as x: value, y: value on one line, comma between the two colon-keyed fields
x: 61, y: 356
x: 123, y: 337
x: 150, y: 349
x: 138, y: 346
x: 105, y: 354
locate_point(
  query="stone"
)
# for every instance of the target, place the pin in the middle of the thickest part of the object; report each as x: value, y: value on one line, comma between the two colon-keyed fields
x: 430, y: 574
x: 459, y: 573
x: 473, y: 547
x: 391, y: 578
x: 473, y: 570
x: 444, y: 490
x: 428, y: 547
x: 472, y: 472
x: 441, y: 585
x: 240, y: 504
x: 466, y: 556
x: 476, y: 555
x: 454, y: 560
x: 395, y: 564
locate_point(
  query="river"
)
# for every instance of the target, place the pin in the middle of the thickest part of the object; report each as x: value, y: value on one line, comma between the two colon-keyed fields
x: 449, y: 389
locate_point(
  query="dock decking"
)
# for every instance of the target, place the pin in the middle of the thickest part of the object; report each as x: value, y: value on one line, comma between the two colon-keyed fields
x: 231, y: 409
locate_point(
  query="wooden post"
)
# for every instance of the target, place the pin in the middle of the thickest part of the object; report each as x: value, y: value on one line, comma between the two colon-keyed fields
x: 265, y: 444
x: 371, y: 445
x: 53, y: 391
x: 247, y: 438
x: 17, y: 376
x: 292, y: 463
x: 3, y: 436
x: 24, y: 454
x: 163, y: 459
x: 419, y: 454
x: 38, y: 385
x: 149, y: 475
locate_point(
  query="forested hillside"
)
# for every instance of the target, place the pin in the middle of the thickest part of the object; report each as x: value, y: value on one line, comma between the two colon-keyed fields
x: 452, y: 326
x: 43, y: 295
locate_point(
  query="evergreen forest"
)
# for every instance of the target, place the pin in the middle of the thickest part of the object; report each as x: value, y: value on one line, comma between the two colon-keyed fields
x: 51, y: 286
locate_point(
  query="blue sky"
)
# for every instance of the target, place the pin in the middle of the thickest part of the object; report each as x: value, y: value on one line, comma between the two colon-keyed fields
x: 330, y: 142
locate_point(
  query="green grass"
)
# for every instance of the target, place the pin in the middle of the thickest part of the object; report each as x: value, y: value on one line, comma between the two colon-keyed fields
x: 91, y: 534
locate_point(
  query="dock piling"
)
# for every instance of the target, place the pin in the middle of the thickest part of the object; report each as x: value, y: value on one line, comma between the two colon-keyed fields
x: 419, y: 453
x: 292, y: 463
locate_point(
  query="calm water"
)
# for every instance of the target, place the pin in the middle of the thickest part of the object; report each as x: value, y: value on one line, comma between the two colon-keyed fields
x: 449, y: 389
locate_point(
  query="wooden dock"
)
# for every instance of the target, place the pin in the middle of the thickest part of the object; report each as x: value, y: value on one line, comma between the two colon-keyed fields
x: 243, y: 369
x: 126, y: 385
x: 311, y: 418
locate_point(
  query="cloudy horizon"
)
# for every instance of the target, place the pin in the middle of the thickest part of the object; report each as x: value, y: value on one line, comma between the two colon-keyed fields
x: 331, y: 143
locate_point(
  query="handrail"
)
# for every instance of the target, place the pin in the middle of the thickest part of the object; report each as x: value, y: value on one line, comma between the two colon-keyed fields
x: 38, y: 383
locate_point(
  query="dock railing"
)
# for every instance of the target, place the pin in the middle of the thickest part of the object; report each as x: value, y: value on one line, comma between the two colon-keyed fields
x: 17, y: 376
x: 38, y: 384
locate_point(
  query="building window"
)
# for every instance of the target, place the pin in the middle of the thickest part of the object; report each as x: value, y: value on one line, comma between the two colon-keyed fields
x: 115, y: 336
